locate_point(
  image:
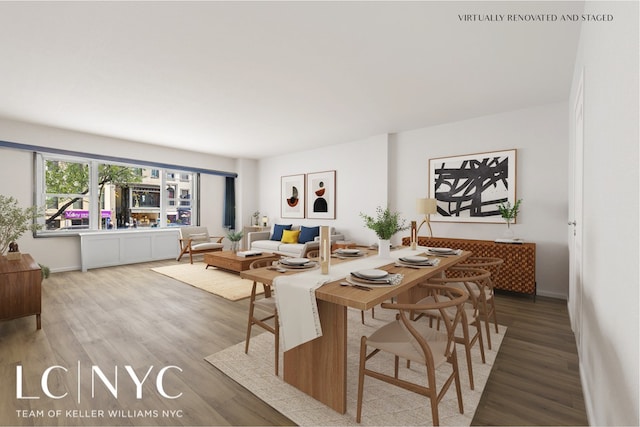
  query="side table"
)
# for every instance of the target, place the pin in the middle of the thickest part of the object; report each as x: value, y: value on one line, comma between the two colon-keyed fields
x: 20, y: 288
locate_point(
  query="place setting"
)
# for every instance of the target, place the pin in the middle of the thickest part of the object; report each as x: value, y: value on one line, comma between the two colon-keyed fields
x: 348, y: 253
x: 443, y: 252
x: 417, y: 261
x: 297, y: 264
x: 374, y: 277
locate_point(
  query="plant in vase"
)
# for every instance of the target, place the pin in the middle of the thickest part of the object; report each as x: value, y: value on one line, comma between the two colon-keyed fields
x: 256, y: 216
x: 509, y: 214
x: 15, y: 221
x: 234, y: 237
x: 385, y: 225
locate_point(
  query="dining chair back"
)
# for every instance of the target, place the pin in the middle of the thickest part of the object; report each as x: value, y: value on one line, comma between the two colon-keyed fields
x: 473, y: 279
x: 268, y: 318
x: 486, y: 301
x: 419, y: 342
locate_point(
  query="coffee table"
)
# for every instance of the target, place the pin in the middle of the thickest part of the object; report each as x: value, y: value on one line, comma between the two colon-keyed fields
x: 228, y: 260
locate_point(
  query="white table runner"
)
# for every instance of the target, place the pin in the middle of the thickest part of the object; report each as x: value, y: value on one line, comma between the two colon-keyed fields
x: 296, y: 300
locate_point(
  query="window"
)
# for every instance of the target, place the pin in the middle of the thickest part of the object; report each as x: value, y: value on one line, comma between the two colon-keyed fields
x: 86, y: 194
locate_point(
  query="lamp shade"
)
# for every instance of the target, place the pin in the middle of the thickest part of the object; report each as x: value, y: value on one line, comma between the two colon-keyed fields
x: 426, y: 206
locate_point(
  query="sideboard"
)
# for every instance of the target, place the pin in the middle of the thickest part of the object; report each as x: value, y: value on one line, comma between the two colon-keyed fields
x: 517, y: 274
x: 20, y: 288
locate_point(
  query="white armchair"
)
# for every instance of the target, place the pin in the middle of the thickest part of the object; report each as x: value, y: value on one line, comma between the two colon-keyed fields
x: 196, y: 240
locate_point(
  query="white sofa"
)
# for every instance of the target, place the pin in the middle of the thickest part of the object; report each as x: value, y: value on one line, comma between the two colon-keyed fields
x: 262, y: 241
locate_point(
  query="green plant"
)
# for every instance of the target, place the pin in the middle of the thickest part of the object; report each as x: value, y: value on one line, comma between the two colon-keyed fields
x: 385, y: 224
x: 15, y: 221
x: 509, y: 212
x: 46, y: 271
x: 234, y: 236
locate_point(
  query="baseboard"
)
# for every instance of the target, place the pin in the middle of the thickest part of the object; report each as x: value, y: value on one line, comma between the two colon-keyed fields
x: 555, y: 295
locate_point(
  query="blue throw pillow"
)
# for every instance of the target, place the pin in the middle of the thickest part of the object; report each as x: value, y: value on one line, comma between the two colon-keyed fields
x: 277, y: 231
x: 307, y: 234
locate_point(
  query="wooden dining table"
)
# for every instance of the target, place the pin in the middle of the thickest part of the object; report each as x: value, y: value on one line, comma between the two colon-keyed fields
x: 319, y: 367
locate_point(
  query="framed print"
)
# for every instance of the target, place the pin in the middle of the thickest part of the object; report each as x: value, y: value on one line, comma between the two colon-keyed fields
x: 292, y: 196
x: 321, y: 188
x: 469, y: 188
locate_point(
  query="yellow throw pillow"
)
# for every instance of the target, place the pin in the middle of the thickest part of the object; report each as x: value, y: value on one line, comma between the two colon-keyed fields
x: 290, y: 236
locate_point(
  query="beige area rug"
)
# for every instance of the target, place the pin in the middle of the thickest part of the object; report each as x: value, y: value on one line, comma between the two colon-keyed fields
x: 219, y: 282
x: 384, y: 404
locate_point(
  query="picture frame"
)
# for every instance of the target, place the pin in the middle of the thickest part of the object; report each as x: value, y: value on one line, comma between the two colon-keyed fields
x: 321, y: 191
x: 292, y: 196
x: 470, y: 187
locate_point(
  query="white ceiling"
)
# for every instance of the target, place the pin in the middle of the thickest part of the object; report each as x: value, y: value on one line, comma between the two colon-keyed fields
x: 255, y: 79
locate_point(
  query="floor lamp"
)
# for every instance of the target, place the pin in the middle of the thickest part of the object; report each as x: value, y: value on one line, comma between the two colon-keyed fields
x: 425, y: 207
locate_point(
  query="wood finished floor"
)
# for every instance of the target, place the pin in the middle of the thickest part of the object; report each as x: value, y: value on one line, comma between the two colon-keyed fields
x: 130, y: 315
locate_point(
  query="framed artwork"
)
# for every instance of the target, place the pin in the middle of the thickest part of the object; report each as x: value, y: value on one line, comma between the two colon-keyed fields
x: 469, y: 188
x: 321, y: 188
x: 292, y: 196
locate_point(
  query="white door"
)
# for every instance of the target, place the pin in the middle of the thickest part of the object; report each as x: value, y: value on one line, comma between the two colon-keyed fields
x: 575, y: 217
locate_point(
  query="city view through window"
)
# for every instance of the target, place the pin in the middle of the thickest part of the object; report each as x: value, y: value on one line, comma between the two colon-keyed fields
x: 86, y: 194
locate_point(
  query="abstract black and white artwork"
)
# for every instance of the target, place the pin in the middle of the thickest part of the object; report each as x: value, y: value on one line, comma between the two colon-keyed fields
x: 469, y: 188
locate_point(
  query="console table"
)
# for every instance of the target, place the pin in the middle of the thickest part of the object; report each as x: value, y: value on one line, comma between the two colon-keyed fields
x: 517, y: 274
x: 20, y: 288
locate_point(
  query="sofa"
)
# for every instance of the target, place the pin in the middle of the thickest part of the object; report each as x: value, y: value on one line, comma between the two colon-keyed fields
x: 288, y: 239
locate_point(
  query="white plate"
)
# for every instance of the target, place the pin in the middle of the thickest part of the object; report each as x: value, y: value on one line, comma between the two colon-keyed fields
x: 442, y: 250
x: 373, y: 273
x: 294, y: 261
x: 414, y: 259
x: 349, y: 251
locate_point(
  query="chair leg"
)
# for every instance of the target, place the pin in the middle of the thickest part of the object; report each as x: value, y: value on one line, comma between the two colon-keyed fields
x: 362, y: 316
x: 250, y: 322
x: 479, y: 332
x: 276, y: 327
x: 433, y: 397
x: 363, y: 360
x: 495, y: 316
x: 485, y: 317
x: 467, y: 351
x: 456, y: 377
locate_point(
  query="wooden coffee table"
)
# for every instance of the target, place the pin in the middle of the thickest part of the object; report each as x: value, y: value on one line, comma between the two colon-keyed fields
x: 228, y: 260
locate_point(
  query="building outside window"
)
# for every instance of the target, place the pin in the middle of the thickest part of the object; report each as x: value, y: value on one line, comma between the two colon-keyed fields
x: 81, y: 194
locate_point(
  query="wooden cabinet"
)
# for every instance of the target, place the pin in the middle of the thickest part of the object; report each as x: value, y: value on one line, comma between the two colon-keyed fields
x: 20, y: 288
x: 517, y: 274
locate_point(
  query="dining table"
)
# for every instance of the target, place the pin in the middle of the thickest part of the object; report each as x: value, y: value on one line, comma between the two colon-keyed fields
x: 318, y: 367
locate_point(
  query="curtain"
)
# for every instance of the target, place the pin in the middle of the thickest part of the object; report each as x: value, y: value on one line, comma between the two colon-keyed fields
x: 230, y: 202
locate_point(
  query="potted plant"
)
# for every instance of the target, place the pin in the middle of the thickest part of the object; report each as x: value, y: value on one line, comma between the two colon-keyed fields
x: 385, y: 225
x: 509, y: 214
x: 15, y: 221
x: 256, y: 216
x: 234, y: 237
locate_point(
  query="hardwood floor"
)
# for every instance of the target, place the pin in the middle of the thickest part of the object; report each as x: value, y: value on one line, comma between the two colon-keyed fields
x: 129, y: 315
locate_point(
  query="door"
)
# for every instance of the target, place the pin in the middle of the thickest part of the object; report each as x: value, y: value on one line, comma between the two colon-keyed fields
x: 575, y: 216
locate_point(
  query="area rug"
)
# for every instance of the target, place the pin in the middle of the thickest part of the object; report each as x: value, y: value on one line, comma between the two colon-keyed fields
x: 226, y: 284
x: 384, y: 404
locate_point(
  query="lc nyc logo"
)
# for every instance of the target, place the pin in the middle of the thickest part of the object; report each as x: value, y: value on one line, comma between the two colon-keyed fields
x: 97, y: 375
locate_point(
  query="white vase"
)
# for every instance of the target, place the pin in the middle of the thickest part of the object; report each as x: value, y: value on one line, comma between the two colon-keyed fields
x: 384, y: 248
x: 508, y: 233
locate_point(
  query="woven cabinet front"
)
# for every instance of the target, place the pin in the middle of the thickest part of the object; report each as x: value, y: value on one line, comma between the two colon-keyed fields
x: 517, y: 274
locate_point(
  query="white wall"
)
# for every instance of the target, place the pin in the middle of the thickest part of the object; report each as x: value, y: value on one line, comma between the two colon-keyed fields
x: 16, y: 176
x: 540, y: 136
x: 610, y: 299
x: 393, y: 170
x: 361, y: 183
